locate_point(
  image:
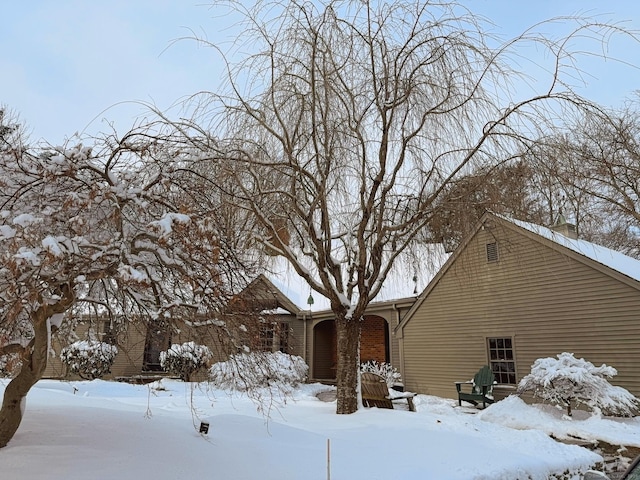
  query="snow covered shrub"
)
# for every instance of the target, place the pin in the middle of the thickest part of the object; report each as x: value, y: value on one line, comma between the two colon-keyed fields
x: 385, y: 370
x: 186, y: 359
x: 88, y: 358
x: 569, y: 380
x: 247, y: 371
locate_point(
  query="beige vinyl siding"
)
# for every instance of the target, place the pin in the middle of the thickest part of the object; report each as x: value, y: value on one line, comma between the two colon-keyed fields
x: 55, y: 367
x: 128, y: 361
x: 545, y: 300
x: 306, y: 349
x: 395, y: 317
x: 296, y: 336
x: 394, y: 351
x: 130, y: 356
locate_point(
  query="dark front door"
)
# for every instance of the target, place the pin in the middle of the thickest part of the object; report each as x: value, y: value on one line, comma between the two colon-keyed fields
x: 158, y: 340
x: 324, y: 351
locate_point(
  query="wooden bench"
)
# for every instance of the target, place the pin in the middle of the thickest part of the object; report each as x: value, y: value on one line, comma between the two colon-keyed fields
x: 481, y: 388
x: 375, y: 392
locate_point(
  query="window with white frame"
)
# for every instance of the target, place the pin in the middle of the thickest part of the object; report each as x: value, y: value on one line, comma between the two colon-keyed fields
x: 502, y: 359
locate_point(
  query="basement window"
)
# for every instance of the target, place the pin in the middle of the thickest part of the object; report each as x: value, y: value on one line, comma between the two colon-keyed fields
x: 492, y: 252
x: 502, y: 360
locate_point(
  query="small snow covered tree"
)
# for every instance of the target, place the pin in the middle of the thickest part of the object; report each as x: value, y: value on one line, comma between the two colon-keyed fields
x: 185, y: 359
x: 247, y: 371
x: 385, y: 370
x: 120, y: 229
x: 88, y: 358
x: 568, y: 380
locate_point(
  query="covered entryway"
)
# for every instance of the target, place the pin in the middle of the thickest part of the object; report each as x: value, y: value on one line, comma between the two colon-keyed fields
x: 374, y: 345
x: 325, y: 352
x: 374, y: 340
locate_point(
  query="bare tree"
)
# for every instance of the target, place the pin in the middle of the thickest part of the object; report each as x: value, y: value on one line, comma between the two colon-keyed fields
x: 508, y: 189
x: 554, y: 196
x: 609, y: 157
x: 347, y: 125
x: 119, y: 228
x: 597, y: 166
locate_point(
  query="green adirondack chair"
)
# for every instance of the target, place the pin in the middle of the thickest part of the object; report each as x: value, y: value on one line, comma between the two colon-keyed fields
x: 481, y: 388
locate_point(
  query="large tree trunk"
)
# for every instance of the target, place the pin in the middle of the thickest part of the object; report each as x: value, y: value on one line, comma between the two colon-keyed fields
x: 34, y: 362
x: 348, y: 336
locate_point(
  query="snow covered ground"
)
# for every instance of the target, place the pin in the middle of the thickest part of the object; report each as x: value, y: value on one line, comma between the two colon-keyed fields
x: 109, y: 430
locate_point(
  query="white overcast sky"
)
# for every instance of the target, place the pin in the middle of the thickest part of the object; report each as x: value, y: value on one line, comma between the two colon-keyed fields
x: 69, y: 66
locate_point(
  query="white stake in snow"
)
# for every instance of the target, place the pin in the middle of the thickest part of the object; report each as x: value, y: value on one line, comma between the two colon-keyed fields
x: 328, y: 459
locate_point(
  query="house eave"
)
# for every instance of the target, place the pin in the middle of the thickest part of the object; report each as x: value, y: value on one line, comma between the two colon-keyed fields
x: 372, y: 309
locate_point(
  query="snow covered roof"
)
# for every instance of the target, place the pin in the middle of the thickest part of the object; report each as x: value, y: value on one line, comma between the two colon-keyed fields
x: 398, y: 284
x: 617, y: 261
x: 612, y: 259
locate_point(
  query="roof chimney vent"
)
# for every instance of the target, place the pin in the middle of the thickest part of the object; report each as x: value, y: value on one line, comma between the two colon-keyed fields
x: 565, y: 228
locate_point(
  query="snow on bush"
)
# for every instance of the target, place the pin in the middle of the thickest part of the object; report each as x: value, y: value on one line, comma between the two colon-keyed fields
x: 88, y: 358
x: 185, y: 359
x: 385, y: 370
x: 9, y: 365
x: 569, y: 380
x: 248, y: 371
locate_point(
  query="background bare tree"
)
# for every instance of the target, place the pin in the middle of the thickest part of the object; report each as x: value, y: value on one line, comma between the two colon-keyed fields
x: 509, y: 189
x: 347, y: 126
x: 597, y: 169
x: 119, y: 229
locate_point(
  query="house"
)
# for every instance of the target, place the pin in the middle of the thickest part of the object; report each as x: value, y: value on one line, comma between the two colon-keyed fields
x: 377, y: 342
x: 513, y: 292
x: 383, y: 315
x: 268, y: 320
x: 286, y: 316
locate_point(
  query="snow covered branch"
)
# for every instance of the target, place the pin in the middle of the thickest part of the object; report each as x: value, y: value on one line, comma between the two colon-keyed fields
x: 123, y: 228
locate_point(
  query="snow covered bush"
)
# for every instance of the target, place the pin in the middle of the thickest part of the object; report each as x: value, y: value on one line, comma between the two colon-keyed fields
x: 9, y: 365
x: 88, y: 358
x: 249, y: 371
x: 185, y: 359
x: 385, y: 370
x: 569, y: 380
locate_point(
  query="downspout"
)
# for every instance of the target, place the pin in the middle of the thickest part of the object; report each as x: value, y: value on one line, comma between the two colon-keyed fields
x: 310, y: 302
x: 400, y: 340
x: 304, y: 337
x: 306, y: 315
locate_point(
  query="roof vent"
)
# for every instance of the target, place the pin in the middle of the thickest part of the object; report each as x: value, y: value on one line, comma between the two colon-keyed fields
x: 492, y: 252
x: 565, y: 228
